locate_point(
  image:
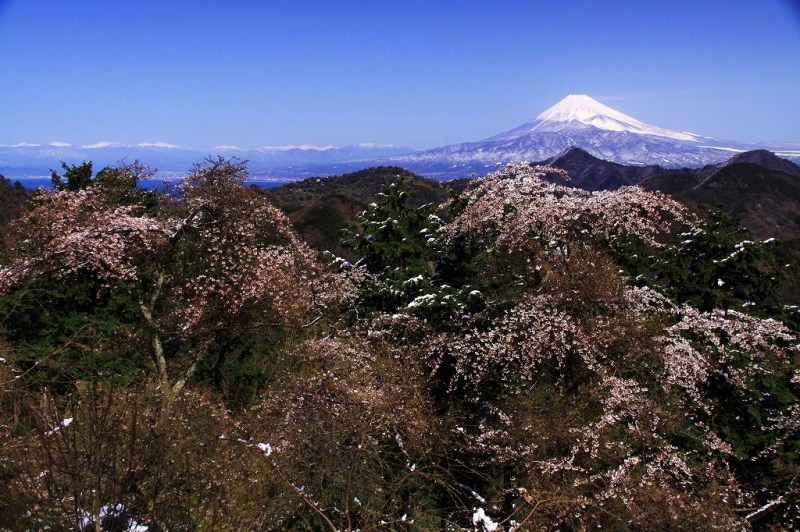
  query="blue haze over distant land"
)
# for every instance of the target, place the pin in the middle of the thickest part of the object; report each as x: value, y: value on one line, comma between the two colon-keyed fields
x: 33, y: 183
x: 413, y: 73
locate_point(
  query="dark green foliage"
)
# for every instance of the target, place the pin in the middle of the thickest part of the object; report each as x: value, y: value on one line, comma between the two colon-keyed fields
x: 77, y: 328
x: 12, y: 198
x: 362, y: 186
x: 401, y: 246
x: 119, y: 183
x: 394, y: 236
x: 768, y: 396
x: 393, y: 243
x: 718, y: 265
x: 320, y: 208
x: 63, y: 332
x: 723, y: 266
x: 242, y: 363
x: 76, y: 177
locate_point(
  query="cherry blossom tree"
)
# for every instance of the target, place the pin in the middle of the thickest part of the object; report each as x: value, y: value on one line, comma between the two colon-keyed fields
x: 506, y: 208
x: 196, y: 261
x: 507, y: 372
x: 601, y: 401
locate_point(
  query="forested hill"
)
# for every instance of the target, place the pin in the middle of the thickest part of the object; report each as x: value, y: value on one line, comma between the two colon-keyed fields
x: 364, y: 186
x: 766, y: 197
x: 12, y: 198
x: 525, y: 356
x: 321, y: 208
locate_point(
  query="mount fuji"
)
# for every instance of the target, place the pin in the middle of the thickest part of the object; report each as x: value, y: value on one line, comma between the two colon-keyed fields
x: 577, y: 121
x: 578, y: 112
x: 583, y: 122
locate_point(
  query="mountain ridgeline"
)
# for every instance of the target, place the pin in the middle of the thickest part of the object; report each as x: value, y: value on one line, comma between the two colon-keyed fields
x: 321, y: 208
x: 583, y: 122
x: 758, y: 186
x: 577, y: 120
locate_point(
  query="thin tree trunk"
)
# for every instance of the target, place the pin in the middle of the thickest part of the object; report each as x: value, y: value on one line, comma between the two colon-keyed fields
x: 155, y: 336
x: 177, y: 388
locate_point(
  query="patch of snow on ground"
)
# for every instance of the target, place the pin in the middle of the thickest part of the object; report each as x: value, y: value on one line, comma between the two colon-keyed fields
x: 480, y: 518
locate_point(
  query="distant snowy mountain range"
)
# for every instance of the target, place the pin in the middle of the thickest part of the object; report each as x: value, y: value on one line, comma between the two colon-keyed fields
x: 30, y: 160
x: 582, y: 122
x: 576, y: 121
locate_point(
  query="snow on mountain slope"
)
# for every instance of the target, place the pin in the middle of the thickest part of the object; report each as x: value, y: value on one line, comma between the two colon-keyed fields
x: 27, y: 160
x: 582, y: 122
x: 576, y: 121
x: 577, y: 111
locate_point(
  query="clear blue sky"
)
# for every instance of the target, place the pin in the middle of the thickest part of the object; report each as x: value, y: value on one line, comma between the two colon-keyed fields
x: 412, y: 73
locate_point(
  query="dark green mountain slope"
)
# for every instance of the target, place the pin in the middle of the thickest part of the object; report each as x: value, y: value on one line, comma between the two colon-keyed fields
x: 320, y: 208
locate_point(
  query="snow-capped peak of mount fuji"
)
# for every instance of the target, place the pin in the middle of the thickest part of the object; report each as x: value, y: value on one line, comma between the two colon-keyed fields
x: 577, y: 121
x: 578, y: 111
